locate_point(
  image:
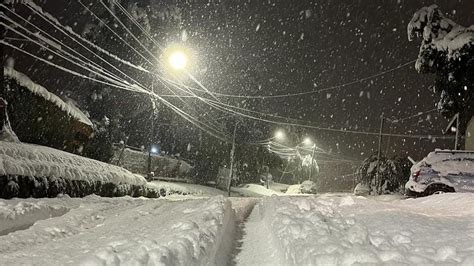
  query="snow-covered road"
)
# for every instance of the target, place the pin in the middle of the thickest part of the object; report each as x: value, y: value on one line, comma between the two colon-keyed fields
x: 279, y: 230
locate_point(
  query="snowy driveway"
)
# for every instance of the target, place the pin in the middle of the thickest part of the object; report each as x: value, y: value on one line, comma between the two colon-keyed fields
x: 322, y: 230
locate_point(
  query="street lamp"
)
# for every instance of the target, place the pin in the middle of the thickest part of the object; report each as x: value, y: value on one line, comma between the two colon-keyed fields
x: 178, y: 60
x: 280, y: 135
x: 308, y: 141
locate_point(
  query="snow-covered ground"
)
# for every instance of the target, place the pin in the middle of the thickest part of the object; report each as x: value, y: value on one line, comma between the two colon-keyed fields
x: 327, y: 229
x: 254, y: 190
x: 113, y: 231
x: 345, y: 230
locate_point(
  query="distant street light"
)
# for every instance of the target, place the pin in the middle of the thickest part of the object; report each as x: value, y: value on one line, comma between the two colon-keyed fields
x: 280, y: 135
x: 308, y: 141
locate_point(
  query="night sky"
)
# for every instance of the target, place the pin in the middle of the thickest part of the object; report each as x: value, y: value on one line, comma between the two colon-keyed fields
x: 279, y: 47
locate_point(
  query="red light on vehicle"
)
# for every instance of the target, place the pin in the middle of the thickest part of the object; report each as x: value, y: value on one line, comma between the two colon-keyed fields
x: 416, y: 175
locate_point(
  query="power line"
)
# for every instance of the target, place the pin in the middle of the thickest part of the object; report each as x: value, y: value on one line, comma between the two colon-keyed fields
x: 327, y: 129
x: 340, y: 86
x: 219, y: 105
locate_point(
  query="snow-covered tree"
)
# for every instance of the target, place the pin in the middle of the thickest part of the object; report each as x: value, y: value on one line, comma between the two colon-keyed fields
x: 447, y: 50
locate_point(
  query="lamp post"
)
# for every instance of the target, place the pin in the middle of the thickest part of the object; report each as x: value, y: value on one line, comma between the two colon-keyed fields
x: 153, y: 110
x: 312, y: 162
x: 177, y: 60
x: 232, y: 153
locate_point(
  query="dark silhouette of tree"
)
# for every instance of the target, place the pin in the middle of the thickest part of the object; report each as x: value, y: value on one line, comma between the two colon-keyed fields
x: 447, y: 50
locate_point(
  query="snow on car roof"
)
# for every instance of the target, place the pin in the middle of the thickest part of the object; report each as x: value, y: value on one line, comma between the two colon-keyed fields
x: 448, y: 162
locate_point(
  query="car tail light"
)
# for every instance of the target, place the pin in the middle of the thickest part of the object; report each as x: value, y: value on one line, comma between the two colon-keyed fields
x: 416, y: 175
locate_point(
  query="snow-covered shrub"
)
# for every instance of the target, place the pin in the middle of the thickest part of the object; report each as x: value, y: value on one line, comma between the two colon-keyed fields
x: 39, y: 187
x: 393, y: 174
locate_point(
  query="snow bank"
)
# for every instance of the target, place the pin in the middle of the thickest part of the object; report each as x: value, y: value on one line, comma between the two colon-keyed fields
x: 39, y: 90
x: 253, y: 190
x: 187, y: 189
x: 294, y: 189
x: 39, y: 161
x: 347, y: 230
x: 20, y: 216
x: 126, y: 231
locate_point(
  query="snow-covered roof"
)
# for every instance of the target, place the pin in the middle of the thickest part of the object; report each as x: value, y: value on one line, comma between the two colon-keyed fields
x: 39, y: 90
x: 40, y: 161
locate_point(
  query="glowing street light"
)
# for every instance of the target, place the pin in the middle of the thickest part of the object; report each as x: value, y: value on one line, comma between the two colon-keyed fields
x: 178, y: 60
x: 308, y: 141
x: 280, y: 135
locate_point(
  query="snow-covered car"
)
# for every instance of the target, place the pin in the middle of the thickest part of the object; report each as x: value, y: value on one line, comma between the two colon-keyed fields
x: 442, y: 171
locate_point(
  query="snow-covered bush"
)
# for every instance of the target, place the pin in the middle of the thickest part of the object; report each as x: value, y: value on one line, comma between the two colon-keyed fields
x: 393, y: 174
x: 447, y: 50
x: 36, y: 171
x: 40, y: 187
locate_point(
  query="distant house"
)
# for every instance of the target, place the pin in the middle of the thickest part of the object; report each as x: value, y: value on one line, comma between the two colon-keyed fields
x: 40, y: 117
x: 469, y: 142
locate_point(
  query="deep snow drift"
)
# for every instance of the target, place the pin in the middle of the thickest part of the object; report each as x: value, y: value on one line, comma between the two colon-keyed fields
x: 346, y: 230
x: 332, y: 229
x: 113, y: 231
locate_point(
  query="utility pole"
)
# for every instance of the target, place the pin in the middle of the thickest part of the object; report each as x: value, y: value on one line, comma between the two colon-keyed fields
x: 377, y: 174
x: 456, y: 142
x: 153, y: 107
x: 448, y: 129
x: 232, y: 152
